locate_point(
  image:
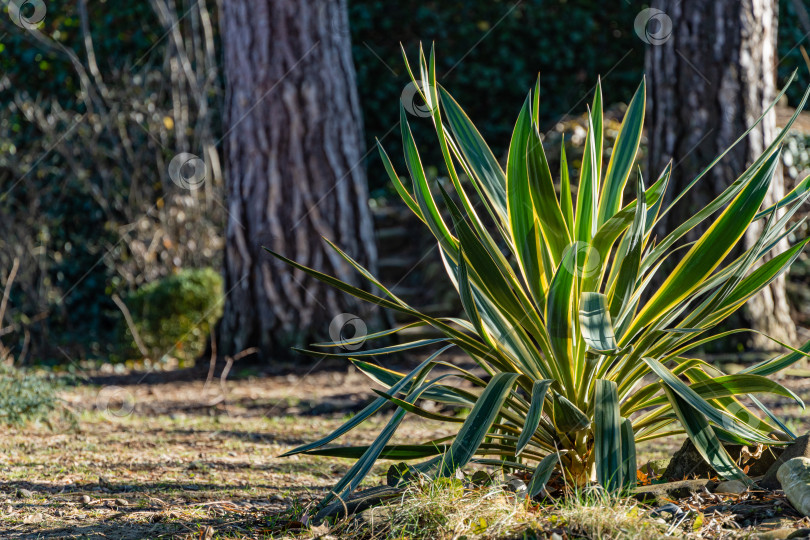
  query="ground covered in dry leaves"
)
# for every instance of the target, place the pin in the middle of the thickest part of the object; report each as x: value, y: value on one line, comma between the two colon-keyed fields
x: 167, y: 456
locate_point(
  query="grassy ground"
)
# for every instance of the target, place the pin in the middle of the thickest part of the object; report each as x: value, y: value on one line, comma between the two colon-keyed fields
x: 174, y: 458
x: 177, y: 459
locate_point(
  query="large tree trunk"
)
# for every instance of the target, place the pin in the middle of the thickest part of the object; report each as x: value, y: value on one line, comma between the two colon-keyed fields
x: 710, y: 80
x: 295, y: 173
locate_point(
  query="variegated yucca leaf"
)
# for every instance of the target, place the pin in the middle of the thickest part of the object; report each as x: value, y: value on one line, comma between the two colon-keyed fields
x: 580, y: 358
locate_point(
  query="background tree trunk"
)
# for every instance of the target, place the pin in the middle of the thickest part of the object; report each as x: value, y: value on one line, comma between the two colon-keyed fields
x: 710, y: 80
x: 293, y: 161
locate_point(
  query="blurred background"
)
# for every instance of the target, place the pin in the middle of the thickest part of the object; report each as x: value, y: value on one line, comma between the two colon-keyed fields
x: 149, y: 149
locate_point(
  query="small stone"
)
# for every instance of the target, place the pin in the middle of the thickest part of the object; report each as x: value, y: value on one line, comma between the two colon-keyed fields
x: 33, y: 518
x: 24, y: 493
x: 518, y: 487
x: 86, y: 499
x: 731, y: 486
x: 121, y: 502
x: 794, y: 477
x: 555, y: 536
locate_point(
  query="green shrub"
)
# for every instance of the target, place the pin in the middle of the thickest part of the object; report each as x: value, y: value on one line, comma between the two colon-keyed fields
x: 175, y: 315
x: 556, y: 312
x: 28, y: 397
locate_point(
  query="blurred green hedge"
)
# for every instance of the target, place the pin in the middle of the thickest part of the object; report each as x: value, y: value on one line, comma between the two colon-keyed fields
x: 174, y: 315
x: 27, y: 396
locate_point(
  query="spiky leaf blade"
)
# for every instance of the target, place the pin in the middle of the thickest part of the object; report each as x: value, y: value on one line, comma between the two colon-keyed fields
x: 478, y: 423
x: 539, y: 389
x: 624, y: 154
x: 705, y: 440
x: 629, y: 466
x: 710, y: 250
x: 543, y: 472
x: 607, y: 433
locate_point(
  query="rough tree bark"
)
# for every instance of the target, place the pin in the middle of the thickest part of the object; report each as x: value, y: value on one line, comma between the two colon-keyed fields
x: 293, y: 158
x: 708, y: 81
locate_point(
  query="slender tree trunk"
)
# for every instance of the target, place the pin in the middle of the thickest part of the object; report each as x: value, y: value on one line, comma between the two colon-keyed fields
x: 293, y: 157
x: 709, y: 80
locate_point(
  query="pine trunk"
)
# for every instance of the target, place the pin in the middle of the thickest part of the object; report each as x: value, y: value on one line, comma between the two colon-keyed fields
x: 709, y: 81
x: 295, y: 172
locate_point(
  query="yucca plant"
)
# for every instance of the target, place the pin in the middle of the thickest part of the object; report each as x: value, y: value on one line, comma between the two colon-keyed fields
x: 560, y: 314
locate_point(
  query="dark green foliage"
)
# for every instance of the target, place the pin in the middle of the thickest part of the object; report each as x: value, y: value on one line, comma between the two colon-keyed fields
x: 28, y: 397
x: 174, y: 315
x: 123, y: 33
x: 491, y: 51
x: 791, y: 35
